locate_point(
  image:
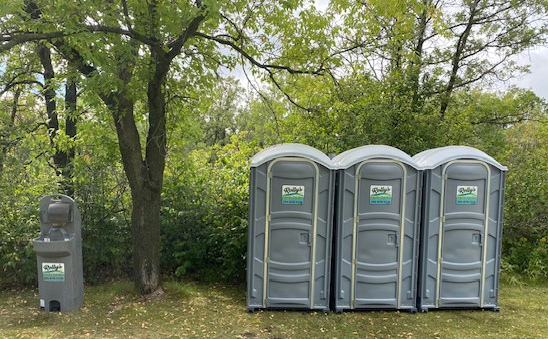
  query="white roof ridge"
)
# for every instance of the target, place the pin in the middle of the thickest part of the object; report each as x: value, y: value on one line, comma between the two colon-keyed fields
x: 432, y: 158
x: 358, y: 154
x: 291, y: 150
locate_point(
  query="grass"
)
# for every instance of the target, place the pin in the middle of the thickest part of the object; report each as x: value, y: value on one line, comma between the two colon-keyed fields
x: 190, y: 309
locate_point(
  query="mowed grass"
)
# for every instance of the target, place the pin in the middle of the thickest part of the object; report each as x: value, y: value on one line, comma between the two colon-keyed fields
x: 191, y: 309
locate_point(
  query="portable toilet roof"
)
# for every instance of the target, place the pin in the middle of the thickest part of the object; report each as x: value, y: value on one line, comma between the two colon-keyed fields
x: 433, y: 158
x: 358, y: 154
x: 291, y: 150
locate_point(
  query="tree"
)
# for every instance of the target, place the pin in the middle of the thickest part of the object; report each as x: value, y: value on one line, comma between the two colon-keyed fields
x: 405, y: 66
x: 224, y: 105
x: 439, y: 46
x: 135, y: 54
x: 13, y: 80
x: 62, y: 158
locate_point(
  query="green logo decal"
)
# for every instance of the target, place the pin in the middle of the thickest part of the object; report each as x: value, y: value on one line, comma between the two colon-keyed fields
x: 380, y: 195
x: 53, y: 272
x: 467, y: 195
x: 292, y: 195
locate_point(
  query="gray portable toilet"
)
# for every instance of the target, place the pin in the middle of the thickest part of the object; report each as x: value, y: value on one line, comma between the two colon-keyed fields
x: 376, y: 229
x: 290, y: 228
x: 59, y: 255
x: 461, y: 228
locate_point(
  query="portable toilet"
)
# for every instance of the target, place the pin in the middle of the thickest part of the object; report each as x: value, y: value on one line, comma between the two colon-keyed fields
x: 291, y: 190
x: 461, y: 228
x: 376, y: 229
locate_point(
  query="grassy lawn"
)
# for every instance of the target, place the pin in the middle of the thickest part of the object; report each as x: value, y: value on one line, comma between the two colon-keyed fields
x: 193, y: 310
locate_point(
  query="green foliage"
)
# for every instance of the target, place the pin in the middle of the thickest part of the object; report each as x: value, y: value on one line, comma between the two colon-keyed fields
x: 103, y: 200
x: 527, y: 257
x: 526, y: 200
x: 102, y: 195
x: 204, y: 212
x: 22, y: 184
x: 381, y: 74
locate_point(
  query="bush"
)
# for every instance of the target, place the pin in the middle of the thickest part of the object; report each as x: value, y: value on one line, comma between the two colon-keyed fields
x: 205, y: 211
x: 104, y: 202
x: 526, y: 200
x: 527, y: 257
x: 19, y: 223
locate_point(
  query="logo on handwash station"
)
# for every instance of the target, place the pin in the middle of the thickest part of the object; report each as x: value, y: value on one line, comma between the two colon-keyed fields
x: 467, y: 195
x: 292, y: 195
x: 380, y: 195
x: 52, y: 267
x: 53, y: 272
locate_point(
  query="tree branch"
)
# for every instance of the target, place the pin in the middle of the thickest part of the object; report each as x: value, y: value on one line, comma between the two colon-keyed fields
x: 256, y: 63
x: 176, y: 46
x: 288, y: 97
x: 14, y: 40
x: 22, y: 82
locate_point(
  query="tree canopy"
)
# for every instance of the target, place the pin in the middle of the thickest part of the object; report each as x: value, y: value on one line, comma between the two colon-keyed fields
x: 94, y: 89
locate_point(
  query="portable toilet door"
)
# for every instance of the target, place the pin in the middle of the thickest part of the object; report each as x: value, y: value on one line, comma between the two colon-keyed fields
x: 377, y: 219
x: 461, y: 228
x: 290, y: 225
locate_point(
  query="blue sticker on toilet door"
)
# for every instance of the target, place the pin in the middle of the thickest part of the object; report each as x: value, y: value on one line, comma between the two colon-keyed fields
x: 467, y: 195
x: 380, y: 195
x: 292, y: 195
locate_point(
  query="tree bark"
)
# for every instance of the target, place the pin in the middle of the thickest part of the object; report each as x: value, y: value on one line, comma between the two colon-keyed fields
x: 70, y: 131
x: 44, y: 54
x: 147, y: 190
x: 145, y: 176
x: 145, y: 220
x: 63, y: 160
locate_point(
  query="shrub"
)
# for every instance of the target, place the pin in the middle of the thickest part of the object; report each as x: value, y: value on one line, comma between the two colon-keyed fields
x: 204, y: 214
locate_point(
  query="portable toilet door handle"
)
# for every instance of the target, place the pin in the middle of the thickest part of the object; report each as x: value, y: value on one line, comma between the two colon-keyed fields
x: 306, y: 238
x: 477, y: 239
x: 393, y: 240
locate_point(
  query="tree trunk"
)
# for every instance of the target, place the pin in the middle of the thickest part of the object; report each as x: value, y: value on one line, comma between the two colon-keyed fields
x: 63, y: 160
x: 70, y: 130
x: 6, y: 143
x: 145, y: 176
x: 44, y: 54
x: 145, y: 220
x: 416, y: 63
x: 145, y: 179
x: 147, y: 194
x: 455, y: 63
